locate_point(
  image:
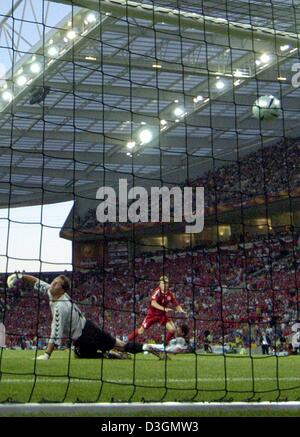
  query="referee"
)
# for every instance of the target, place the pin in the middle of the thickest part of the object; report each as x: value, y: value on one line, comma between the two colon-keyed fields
x: 69, y: 323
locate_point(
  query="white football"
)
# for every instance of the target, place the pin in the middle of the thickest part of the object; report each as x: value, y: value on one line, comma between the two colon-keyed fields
x: 11, y: 280
x: 266, y: 108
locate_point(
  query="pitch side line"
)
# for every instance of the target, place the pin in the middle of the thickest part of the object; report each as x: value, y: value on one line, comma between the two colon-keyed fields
x: 65, y: 380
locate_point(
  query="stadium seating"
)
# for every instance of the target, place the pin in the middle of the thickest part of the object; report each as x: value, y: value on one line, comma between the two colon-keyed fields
x: 223, y: 289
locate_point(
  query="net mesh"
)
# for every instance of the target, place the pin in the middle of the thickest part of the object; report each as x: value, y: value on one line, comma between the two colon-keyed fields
x: 140, y: 95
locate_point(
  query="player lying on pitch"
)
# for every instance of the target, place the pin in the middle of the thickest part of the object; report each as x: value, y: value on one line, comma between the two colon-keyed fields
x: 179, y: 344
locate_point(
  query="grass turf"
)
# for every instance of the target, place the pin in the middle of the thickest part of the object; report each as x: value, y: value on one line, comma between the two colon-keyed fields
x: 186, y: 377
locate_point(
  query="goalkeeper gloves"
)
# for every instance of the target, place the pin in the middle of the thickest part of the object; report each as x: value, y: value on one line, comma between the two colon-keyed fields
x: 43, y: 357
x: 12, y: 279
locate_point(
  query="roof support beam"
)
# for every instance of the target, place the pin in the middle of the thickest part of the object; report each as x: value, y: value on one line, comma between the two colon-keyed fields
x: 130, y: 9
x: 79, y: 135
x: 195, y: 120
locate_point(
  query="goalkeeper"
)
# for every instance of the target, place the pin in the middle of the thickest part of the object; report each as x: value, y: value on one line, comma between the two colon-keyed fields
x: 69, y: 323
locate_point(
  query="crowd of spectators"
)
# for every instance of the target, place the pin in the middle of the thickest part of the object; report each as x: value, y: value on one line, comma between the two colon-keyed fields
x: 235, y: 292
x: 266, y: 172
x: 270, y: 172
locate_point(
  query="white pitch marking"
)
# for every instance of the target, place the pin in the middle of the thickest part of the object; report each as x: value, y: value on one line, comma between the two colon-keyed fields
x: 65, y: 380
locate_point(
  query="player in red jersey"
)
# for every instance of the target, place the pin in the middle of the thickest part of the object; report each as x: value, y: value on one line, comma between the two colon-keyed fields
x: 158, y: 311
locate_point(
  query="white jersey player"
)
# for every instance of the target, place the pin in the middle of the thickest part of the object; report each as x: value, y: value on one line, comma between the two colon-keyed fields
x: 178, y: 344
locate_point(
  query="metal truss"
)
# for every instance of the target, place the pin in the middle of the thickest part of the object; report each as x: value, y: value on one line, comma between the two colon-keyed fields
x: 127, y: 69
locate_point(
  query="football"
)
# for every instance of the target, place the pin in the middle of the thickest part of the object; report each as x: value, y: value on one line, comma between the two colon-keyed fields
x: 266, y: 108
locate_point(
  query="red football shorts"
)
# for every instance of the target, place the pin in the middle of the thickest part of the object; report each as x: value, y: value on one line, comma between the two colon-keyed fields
x: 150, y: 320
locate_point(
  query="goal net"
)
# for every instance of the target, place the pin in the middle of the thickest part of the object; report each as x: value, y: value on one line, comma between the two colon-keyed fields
x: 172, y: 128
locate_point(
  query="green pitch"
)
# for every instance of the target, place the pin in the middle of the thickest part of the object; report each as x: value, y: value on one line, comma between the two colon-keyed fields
x: 146, y: 378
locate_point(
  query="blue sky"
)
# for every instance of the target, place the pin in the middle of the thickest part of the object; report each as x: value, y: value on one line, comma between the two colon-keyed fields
x: 30, y: 239
x: 30, y: 236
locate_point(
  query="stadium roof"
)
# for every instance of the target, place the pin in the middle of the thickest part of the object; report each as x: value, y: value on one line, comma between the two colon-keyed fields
x: 128, y: 68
